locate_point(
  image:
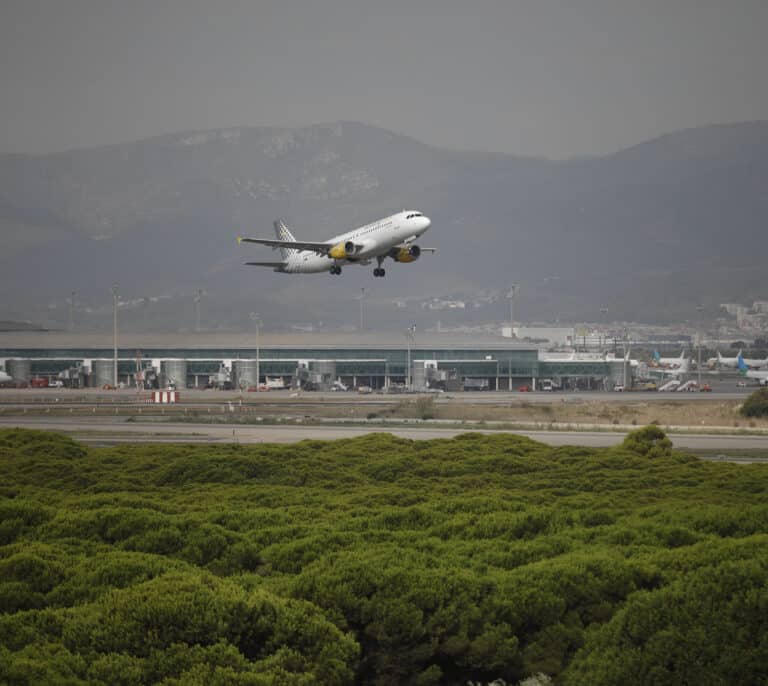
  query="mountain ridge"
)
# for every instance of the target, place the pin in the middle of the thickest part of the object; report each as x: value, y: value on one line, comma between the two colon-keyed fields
x: 160, y: 215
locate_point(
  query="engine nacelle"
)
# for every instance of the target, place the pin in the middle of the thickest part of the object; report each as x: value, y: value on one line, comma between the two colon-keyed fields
x: 343, y: 251
x: 409, y: 254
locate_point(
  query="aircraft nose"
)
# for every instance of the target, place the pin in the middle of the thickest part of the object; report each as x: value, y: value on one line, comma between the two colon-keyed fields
x: 425, y: 223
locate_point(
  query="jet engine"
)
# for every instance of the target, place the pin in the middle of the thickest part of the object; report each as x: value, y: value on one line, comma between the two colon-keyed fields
x: 409, y: 254
x: 343, y: 251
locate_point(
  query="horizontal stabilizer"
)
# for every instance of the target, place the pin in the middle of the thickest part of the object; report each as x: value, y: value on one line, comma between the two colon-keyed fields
x: 275, y: 265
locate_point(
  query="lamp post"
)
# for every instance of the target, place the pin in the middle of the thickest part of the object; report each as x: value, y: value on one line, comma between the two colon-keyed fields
x: 114, y: 334
x: 72, y: 297
x: 699, y: 310
x: 604, y: 321
x: 198, y: 299
x: 410, y: 334
x: 512, y: 294
x: 257, y: 322
x: 624, y: 365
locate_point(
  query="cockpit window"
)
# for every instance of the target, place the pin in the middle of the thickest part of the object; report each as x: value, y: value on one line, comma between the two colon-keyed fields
x: 415, y: 214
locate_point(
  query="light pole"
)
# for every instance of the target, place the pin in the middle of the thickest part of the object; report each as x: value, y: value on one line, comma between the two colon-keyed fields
x: 114, y: 334
x: 512, y: 294
x: 410, y: 334
x: 699, y: 310
x: 198, y: 299
x: 624, y: 365
x: 603, y: 318
x: 257, y: 322
x: 72, y: 297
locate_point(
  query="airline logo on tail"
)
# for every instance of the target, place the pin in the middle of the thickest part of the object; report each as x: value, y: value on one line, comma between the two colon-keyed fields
x: 741, y: 364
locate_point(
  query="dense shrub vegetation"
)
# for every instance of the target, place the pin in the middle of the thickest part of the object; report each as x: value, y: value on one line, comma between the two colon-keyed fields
x: 756, y: 405
x: 380, y: 561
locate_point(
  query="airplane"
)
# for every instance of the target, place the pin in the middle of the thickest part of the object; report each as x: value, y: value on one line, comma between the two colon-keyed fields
x: 675, y: 363
x: 5, y: 378
x: 726, y: 361
x: 744, y: 370
x: 391, y: 236
x: 734, y: 361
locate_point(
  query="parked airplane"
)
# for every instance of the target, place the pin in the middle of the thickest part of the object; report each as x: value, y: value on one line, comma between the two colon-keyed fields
x: 753, y: 363
x: 744, y: 370
x: 5, y: 378
x: 671, y: 363
x: 392, y: 236
x: 733, y: 362
x: 727, y: 361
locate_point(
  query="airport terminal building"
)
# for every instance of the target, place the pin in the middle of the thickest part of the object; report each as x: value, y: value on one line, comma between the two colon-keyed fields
x: 480, y: 366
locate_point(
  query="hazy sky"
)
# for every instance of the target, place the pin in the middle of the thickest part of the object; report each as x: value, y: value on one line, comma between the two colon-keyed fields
x: 539, y: 77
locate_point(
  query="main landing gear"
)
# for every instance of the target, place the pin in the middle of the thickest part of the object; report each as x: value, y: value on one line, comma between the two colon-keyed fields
x: 335, y: 269
x: 379, y: 271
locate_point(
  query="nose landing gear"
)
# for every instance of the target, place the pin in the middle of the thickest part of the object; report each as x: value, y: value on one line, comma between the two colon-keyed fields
x: 335, y: 270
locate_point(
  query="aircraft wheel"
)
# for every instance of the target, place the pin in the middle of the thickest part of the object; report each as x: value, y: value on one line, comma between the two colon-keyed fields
x: 376, y: 271
x: 382, y: 271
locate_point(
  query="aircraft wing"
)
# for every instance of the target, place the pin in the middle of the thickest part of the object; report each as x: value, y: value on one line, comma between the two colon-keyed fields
x: 408, y: 244
x: 319, y: 248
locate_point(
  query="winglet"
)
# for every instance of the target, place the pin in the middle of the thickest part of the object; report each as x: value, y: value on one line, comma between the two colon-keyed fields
x: 239, y: 240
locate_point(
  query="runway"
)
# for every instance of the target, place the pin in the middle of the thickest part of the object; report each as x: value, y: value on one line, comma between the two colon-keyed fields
x: 105, y: 431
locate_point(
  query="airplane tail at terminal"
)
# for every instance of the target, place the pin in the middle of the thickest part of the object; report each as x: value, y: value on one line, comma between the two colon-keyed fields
x: 283, y: 233
x: 744, y: 370
x: 656, y: 355
x: 742, y: 365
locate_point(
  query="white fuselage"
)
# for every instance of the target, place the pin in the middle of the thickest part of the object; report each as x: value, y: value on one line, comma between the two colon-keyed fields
x: 733, y: 362
x: 376, y: 239
x: 756, y: 364
x: 761, y: 377
x: 673, y: 363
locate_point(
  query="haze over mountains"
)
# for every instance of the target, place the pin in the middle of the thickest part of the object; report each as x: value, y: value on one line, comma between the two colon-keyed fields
x: 650, y: 231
